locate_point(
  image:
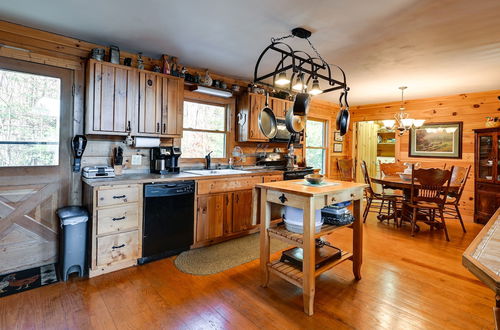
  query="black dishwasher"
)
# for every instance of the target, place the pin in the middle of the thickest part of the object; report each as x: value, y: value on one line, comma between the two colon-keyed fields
x: 168, y: 226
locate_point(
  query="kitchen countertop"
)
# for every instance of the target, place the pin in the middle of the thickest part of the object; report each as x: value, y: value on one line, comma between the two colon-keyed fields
x: 150, y: 177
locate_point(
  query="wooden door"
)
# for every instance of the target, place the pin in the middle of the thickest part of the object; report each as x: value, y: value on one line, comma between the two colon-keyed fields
x: 242, y: 210
x: 150, y: 103
x: 112, y: 99
x: 212, y: 215
x: 257, y: 103
x: 172, y: 106
x: 34, y: 172
x: 280, y: 107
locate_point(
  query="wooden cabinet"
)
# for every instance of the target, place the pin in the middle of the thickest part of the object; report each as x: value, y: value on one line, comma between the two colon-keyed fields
x: 121, y: 99
x: 487, y: 173
x: 212, y: 213
x: 242, y: 211
x: 224, y: 207
x: 249, y: 107
x: 280, y: 107
x: 111, y: 99
x: 116, y: 226
x: 160, y: 105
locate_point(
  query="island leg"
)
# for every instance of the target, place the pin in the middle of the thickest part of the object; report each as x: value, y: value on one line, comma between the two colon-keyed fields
x: 357, y: 240
x: 309, y: 250
x: 265, y: 221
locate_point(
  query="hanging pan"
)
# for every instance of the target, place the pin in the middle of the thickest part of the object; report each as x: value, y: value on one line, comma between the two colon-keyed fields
x: 294, y: 124
x: 343, y: 116
x: 267, y: 121
x: 301, y: 104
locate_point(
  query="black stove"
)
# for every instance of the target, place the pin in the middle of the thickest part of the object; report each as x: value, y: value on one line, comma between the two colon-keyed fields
x: 297, y: 173
x: 278, y: 161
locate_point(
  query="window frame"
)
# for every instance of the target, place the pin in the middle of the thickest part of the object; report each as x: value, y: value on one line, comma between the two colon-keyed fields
x: 66, y: 114
x: 326, y: 139
x: 229, y: 105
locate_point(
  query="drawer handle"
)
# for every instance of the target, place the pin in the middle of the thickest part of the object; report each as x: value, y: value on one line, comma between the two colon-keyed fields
x: 118, y: 247
x: 119, y: 197
x: 333, y: 199
x: 117, y: 219
x: 282, y: 198
x: 352, y: 195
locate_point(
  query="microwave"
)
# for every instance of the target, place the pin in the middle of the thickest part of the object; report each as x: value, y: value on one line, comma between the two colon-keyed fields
x: 283, y: 135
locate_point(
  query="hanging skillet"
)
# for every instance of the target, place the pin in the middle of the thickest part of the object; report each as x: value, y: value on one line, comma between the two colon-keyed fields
x: 341, y: 107
x: 267, y: 121
x: 344, y: 115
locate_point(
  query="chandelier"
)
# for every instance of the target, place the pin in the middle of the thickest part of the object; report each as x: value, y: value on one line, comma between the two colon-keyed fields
x: 402, y: 122
x: 297, y: 70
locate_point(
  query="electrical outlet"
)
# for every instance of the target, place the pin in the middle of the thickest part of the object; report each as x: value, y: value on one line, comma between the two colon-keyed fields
x: 136, y: 159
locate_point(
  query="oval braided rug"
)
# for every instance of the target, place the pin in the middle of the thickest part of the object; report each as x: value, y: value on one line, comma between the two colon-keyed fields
x: 219, y: 257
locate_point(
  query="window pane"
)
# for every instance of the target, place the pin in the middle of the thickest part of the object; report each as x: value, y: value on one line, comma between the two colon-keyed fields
x: 315, y: 133
x: 29, y: 119
x: 198, y: 144
x: 316, y: 159
x: 204, y: 116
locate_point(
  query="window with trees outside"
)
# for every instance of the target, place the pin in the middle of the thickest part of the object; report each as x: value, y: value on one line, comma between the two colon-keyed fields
x: 205, y: 130
x: 316, y: 144
x: 29, y: 119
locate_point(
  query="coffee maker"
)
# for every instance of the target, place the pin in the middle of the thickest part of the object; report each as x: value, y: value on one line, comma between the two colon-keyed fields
x: 165, y: 160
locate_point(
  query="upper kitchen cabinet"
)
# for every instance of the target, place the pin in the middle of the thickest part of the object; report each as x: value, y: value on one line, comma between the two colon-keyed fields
x: 249, y: 107
x: 112, y: 98
x: 280, y: 107
x: 160, y: 105
x: 122, y: 99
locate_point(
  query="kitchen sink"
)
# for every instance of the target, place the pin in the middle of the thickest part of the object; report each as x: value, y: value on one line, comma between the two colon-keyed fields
x: 216, y: 172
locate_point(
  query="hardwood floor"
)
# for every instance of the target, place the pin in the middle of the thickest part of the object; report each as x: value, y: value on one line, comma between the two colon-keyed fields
x: 408, y: 283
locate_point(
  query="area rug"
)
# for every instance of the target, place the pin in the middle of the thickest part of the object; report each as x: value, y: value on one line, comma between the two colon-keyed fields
x: 27, y: 279
x: 219, y: 257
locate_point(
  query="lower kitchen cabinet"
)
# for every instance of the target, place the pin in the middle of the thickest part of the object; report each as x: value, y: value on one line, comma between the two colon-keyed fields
x: 213, y: 212
x: 242, y: 211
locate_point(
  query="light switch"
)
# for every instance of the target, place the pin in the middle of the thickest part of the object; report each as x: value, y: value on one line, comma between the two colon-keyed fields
x: 136, y: 159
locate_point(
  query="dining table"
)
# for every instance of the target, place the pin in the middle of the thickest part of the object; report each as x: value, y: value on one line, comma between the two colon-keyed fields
x: 398, y: 183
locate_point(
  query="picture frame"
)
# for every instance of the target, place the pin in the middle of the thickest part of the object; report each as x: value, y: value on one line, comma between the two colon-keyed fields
x: 338, y: 147
x: 337, y: 137
x: 436, y: 140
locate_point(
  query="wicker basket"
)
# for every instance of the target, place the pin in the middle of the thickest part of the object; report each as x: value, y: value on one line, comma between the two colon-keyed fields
x: 492, y: 124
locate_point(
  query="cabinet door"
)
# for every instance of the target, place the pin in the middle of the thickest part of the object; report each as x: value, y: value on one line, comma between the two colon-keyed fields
x: 487, y: 202
x: 212, y: 215
x: 150, y: 103
x: 486, y: 157
x: 257, y: 103
x: 278, y: 107
x: 242, y: 210
x: 172, y: 106
x: 111, y: 99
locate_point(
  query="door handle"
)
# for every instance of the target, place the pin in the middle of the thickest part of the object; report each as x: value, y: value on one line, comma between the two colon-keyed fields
x: 128, y: 126
x: 118, y: 247
x: 164, y: 127
x: 119, y: 197
x: 118, y: 219
x: 157, y: 127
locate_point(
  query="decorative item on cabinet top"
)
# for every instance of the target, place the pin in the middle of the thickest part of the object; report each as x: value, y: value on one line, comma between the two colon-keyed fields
x: 122, y: 100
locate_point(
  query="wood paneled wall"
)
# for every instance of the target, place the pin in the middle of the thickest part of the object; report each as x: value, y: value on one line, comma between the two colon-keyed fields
x: 472, y: 109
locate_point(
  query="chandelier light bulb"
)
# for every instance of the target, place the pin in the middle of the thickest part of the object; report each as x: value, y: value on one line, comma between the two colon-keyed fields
x: 389, y: 123
x: 299, y: 83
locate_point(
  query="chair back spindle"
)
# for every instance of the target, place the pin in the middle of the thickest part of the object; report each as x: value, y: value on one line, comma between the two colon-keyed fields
x: 430, y: 185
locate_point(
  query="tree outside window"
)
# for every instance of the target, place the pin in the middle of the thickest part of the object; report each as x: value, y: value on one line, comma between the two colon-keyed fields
x: 316, y: 144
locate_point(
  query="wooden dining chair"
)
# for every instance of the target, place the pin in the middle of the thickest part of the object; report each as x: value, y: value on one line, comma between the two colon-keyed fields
x: 346, y: 169
x: 391, y: 169
x: 451, y: 206
x: 429, y: 190
x: 377, y: 200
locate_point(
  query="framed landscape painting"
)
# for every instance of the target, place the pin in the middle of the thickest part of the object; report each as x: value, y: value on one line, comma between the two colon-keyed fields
x: 436, y: 140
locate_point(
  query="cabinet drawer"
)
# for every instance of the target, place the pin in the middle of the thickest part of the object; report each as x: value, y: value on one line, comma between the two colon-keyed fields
x: 117, y: 219
x: 223, y: 185
x: 343, y: 196
x: 273, y: 178
x: 118, y: 195
x: 116, y: 248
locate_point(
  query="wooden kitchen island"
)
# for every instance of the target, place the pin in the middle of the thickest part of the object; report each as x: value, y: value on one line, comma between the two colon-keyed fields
x: 309, y: 198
